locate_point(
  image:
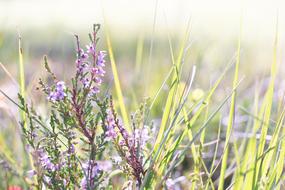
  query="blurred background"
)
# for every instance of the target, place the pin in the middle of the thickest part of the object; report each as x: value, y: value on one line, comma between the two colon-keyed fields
x: 141, y: 32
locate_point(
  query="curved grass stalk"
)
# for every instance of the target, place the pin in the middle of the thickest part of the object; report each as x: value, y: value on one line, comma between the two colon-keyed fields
x: 231, y: 114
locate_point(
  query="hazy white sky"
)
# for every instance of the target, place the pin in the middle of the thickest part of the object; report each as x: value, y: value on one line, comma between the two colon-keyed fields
x: 213, y: 16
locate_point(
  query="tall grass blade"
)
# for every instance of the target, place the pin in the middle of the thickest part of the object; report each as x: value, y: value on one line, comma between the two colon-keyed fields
x: 231, y: 114
x: 268, y: 102
x: 117, y: 83
x: 21, y: 78
x: 274, y: 141
x: 23, y: 94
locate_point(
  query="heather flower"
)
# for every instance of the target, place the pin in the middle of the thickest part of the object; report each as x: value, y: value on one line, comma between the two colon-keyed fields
x: 52, y: 96
x: 172, y: 184
x: 64, y: 182
x: 81, y: 65
x: 122, y: 142
x: 83, y: 183
x: 91, y: 171
x: 98, y: 80
x: 58, y: 165
x: 90, y: 78
x: 94, y: 90
x: 91, y: 49
x: 127, y: 148
x: 101, y: 58
x: 60, y: 85
x: 71, y: 149
x: 98, y: 71
x: 85, y: 82
x: 59, y: 92
x: 124, y: 133
x: 31, y: 173
x: 111, y: 133
x: 45, y: 160
x: 105, y: 165
x: 82, y: 55
x: 141, y: 136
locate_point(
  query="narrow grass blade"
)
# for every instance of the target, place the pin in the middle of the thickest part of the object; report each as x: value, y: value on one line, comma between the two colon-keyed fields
x: 23, y: 94
x: 117, y: 83
x: 231, y: 114
x: 269, y: 94
x: 268, y: 103
x: 22, y: 78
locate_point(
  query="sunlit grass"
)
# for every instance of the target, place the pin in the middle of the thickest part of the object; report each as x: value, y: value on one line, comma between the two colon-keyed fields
x: 187, y: 130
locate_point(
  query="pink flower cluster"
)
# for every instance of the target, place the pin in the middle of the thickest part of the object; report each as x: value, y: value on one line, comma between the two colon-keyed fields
x: 137, y: 137
x: 46, y: 162
x: 96, y: 70
x: 58, y: 93
x: 110, y: 121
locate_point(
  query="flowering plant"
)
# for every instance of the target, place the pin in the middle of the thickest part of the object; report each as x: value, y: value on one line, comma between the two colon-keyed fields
x: 69, y: 150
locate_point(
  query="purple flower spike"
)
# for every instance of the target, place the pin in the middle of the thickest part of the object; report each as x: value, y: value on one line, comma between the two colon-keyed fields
x: 101, y: 61
x: 91, y: 169
x: 84, y: 56
x: 111, y: 133
x: 71, y: 149
x: 85, y: 82
x: 95, y: 90
x: 98, y: 80
x: 60, y: 95
x: 45, y: 161
x: 60, y: 85
x: 31, y: 173
x: 52, y: 96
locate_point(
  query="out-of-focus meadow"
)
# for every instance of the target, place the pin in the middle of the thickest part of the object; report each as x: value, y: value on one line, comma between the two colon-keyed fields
x: 143, y: 34
x: 47, y: 28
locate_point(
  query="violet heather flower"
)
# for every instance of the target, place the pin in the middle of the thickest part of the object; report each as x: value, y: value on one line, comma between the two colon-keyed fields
x: 31, y: 173
x: 101, y: 58
x: 141, y: 136
x: 91, y: 49
x: 94, y: 90
x: 98, y: 71
x: 83, y: 56
x: 91, y: 171
x: 85, y: 82
x: 111, y: 133
x: 58, y: 94
x: 45, y: 160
